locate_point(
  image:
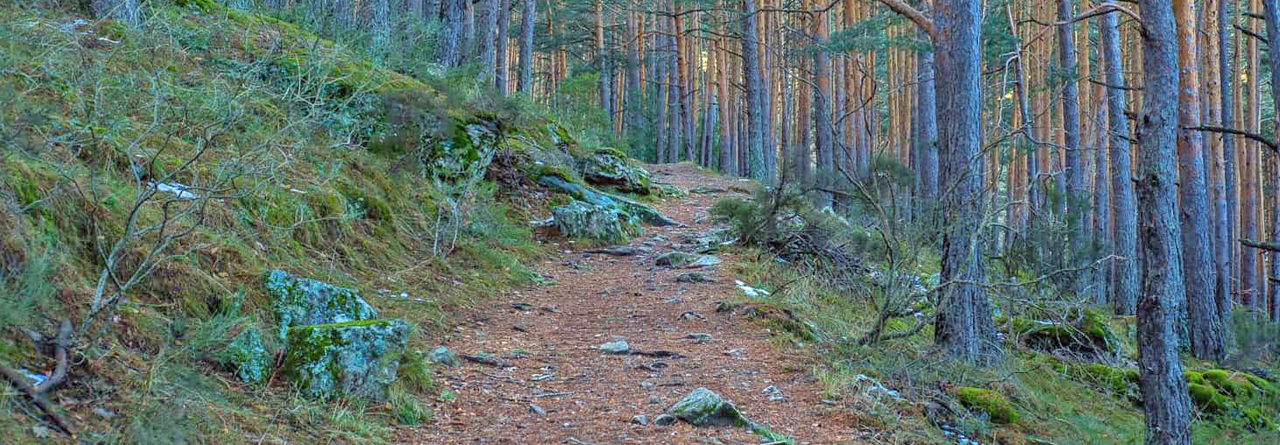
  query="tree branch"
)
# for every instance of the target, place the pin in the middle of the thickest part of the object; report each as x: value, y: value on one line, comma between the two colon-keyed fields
x: 914, y: 15
x: 1247, y: 135
x: 1271, y: 247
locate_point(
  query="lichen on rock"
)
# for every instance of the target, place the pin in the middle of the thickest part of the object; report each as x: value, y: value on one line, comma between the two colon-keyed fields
x: 608, y: 168
x: 578, y: 219
x: 302, y: 301
x: 247, y: 357
x: 703, y: 407
x: 356, y: 358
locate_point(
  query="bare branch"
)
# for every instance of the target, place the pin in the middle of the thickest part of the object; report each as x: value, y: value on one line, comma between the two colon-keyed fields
x: 914, y: 15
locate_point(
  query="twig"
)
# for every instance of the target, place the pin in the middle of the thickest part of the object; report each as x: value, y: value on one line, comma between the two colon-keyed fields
x: 1271, y: 247
x: 1247, y: 135
x: 552, y: 394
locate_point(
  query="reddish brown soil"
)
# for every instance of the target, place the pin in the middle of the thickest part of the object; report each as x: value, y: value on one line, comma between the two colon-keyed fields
x: 591, y: 397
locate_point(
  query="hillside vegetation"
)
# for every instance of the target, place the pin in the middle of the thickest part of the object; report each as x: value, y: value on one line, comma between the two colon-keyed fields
x: 152, y: 176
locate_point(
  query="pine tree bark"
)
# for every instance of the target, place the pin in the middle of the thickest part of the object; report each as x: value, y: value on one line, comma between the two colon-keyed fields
x: 606, y: 90
x: 822, y: 129
x: 487, y: 14
x: 1205, y: 328
x: 634, y: 94
x: 928, y: 122
x: 1125, y: 296
x: 757, y: 121
x: 524, y: 83
x: 1164, y: 389
x: 1077, y: 212
x: 1272, y: 13
x: 964, y: 328
x: 727, y: 158
x: 450, y: 52
x: 1249, y: 285
x: 1224, y: 198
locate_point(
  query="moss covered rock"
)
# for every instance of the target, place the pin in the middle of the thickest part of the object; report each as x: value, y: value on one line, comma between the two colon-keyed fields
x: 302, y: 301
x: 357, y: 358
x: 589, y: 195
x: 607, y: 168
x: 1207, y: 398
x: 703, y: 407
x: 995, y: 406
x: 247, y: 357
x: 1086, y: 331
x: 578, y: 219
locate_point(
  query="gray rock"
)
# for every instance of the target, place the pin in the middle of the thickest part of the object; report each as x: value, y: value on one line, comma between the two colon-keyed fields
x: 443, y: 356
x: 640, y: 420
x: 664, y: 420
x: 537, y: 410
x: 705, y: 261
x: 702, y: 407
x: 578, y: 219
x: 675, y: 259
x: 694, y: 277
x: 357, y: 358
x: 699, y: 338
x: 775, y: 394
x: 608, y: 168
x: 246, y: 357
x: 615, y: 347
x: 640, y: 210
x: 302, y: 301
x: 674, y: 300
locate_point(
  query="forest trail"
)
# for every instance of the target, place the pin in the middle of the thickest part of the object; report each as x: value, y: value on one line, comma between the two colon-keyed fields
x: 549, y: 336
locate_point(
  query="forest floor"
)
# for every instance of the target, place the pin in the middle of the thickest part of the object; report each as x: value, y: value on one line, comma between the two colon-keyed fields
x: 555, y: 386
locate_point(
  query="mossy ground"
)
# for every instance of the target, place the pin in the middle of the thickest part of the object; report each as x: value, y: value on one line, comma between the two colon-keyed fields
x: 1056, y: 402
x: 298, y: 115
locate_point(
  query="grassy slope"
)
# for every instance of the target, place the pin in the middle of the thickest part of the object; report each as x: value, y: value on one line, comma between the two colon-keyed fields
x: 289, y: 112
x: 1056, y: 408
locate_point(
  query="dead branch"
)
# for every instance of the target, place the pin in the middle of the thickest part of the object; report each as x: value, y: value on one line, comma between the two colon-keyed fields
x: 1270, y: 247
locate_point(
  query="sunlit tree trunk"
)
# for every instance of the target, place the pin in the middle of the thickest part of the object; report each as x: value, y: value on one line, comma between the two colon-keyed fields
x: 1205, y: 329
x: 757, y: 122
x: 1272, y: 14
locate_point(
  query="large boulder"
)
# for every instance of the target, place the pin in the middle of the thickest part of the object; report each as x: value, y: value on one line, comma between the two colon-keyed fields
x: 578, y: 219
x: 302, y: 301
x: 610, y: 169
x: 356, y: 358
x: 590, y: 195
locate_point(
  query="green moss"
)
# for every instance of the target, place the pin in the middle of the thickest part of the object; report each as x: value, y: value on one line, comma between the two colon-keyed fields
x: 1194, y: 377
x: 1207, y: 398
x: 995, y: 406
x: 1233, y: 383
x: 1114, y: 379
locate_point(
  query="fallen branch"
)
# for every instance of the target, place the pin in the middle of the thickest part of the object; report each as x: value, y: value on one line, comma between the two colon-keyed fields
x: 484, y: 360
x: 36, y: 392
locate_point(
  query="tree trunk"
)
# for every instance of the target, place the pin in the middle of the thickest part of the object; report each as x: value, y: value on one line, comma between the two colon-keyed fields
x: 524, y: 83
x: 1249, y: 173
x: 1125, y: 296
x: 1272, y: 13
x: 1224, y: 200
x: 756, y: 119
x: 1164, y: 389
x: 606, y: 92
x: 381, y: 24
x: 634, y: 95
x: 485, y: 35
x: 928, y: 165
x: 822, y: 130
x: 500, y: 52
x: 727, y: 164
x: 1205, y: 329
x: 1077, y: 212
x: 451, y: 34
x: 964, y: 328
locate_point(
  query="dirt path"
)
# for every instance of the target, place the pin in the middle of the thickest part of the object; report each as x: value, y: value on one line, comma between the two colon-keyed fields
x: 550, y: 346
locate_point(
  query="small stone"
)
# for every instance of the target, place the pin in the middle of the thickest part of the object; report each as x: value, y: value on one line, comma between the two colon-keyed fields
x: 699, y: 338
x: 705, y: 261
x: 664, y: 420
x: 537, y: 410
x: 443, y: 356
x: 615, y: 347
x: 646, y: 384
x: 775, y: 394
x: 640, y: 420
x: 694, y: 277
x: 674, y: 300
